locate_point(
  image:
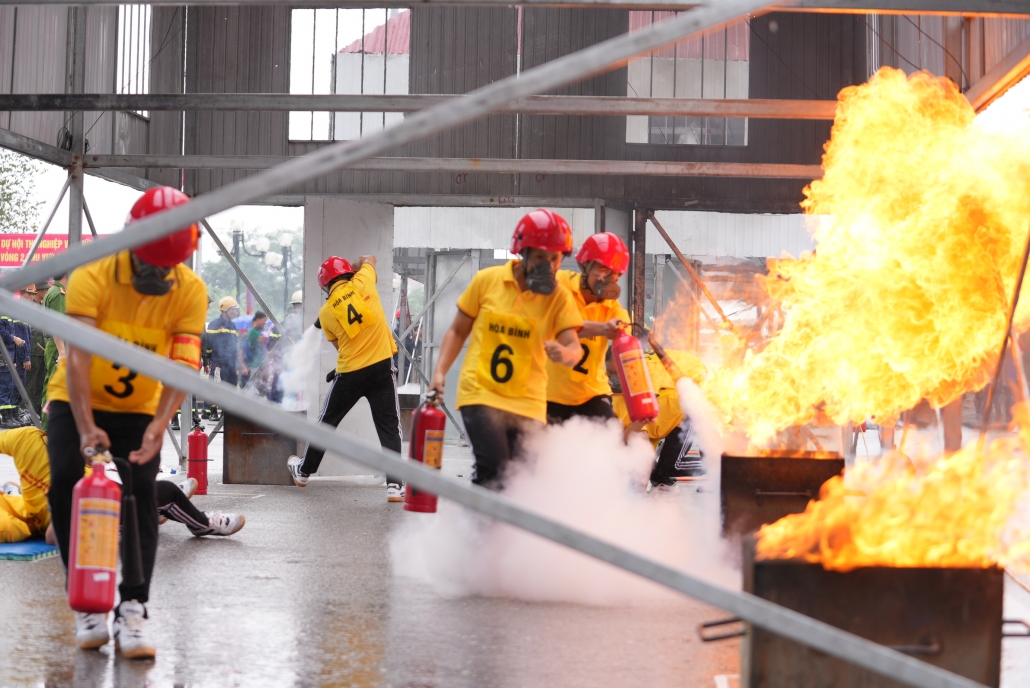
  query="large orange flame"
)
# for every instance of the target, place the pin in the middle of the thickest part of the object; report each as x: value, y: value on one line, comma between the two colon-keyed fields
x: 924, y: 219
x: 968, y: 509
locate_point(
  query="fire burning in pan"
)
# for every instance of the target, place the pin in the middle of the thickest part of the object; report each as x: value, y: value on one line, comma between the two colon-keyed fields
x: 924, y: 218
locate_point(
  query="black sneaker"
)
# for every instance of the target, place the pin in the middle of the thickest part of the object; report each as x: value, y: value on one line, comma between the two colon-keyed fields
x: 24, y: 418
x: 175, y: 423
x: 8, y: 420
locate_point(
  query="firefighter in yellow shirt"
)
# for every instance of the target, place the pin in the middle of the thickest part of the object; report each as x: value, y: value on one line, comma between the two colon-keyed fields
x: 519, y: 317
x: 353, y: 321
x: 143, y: 296
x: 23, y: 511
x: 583, y: 389
x: 670, y: 433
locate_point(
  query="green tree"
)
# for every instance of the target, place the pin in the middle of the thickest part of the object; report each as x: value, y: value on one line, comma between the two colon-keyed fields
x: 18, y: 212
x: 220, y: 278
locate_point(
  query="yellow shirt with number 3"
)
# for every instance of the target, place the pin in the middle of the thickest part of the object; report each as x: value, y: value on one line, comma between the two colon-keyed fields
x: 168, y: 325
x: 588, y: 378
x: 353, y: 316
x: 505, y: 365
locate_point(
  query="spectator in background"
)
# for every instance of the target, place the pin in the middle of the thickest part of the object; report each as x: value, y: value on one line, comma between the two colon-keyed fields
x: 293, y: 323
x: 54, y: 300
x: 254, y: 348
x: 36, y: 378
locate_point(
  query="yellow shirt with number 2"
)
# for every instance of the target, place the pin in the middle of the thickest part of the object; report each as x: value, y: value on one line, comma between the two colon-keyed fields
x: 168, y: 325
x: 505, y: 365
x: 588, y: 378
x: 354, y: 317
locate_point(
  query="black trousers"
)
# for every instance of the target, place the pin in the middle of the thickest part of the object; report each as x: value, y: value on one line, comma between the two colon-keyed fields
x: 227, y: 371
x: 496, y: 437
x: 597, y: 407
x: 375, y: 383
x: 67, y: 467
x: 673, y: 455
x: 174, y: 505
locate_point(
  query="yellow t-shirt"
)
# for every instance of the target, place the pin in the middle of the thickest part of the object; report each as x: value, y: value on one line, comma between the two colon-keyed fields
x: 588, y: 378
x: 354, y: 317
x: 168, y: 325
x: 26, y: 515
x: 505, y: 364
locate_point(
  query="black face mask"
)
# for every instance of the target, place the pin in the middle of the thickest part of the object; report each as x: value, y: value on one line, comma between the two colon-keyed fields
x: 604, y: 289
x: 539, y: 278
x: 149, y: 280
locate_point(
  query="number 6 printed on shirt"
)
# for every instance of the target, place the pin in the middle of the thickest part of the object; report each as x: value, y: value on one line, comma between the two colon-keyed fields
x: 506, y: 354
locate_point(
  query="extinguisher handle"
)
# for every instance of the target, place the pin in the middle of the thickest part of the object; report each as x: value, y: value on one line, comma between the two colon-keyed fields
x: 432, y: 398
x: 97, y: 455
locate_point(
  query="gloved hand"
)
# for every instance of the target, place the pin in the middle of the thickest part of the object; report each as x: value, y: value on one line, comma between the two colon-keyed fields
x: 331, y: 376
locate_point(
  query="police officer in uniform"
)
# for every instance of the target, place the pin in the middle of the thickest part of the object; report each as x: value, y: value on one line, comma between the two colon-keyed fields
x: 13, y: 336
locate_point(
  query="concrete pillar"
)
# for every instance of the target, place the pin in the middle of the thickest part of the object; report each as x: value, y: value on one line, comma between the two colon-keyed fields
x: 348, y: 229
x: 619, y: 222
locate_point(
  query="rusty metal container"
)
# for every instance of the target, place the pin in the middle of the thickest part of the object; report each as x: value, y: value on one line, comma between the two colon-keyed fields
x: 254, y: 455
x: 948, y: 617
x: 755, y: 490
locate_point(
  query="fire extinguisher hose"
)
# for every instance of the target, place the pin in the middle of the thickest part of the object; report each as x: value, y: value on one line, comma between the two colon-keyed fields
x: 131, y: 551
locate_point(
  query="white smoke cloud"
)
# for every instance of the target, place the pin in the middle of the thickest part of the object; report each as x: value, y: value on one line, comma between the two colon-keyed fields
x: 298, y: 365
x: 580, y: 474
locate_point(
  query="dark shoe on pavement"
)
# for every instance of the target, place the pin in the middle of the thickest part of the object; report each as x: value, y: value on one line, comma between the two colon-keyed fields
x: 8, y: 420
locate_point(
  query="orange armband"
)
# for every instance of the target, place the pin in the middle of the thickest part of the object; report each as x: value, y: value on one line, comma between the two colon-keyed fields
x: 186, y: 349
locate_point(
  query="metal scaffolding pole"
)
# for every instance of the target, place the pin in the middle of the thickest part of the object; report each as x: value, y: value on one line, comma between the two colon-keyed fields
x: 482, y: 165
x: 951, y: 7
x: 606, y: 106
x: 46, y: 225
x: 759, y: 612
x: 436, y: 292
x: 422, y: 124
x: 89, y: 218
x: 76, y: 84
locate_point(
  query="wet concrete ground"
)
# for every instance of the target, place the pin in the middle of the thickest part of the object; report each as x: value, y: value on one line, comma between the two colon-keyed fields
x: 304, y: 596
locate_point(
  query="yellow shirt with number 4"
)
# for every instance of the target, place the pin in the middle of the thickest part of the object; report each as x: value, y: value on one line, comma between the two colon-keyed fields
x: 353, y: 316
x: 169, y: 325
x: 505, y: 365
x: 588, y: 378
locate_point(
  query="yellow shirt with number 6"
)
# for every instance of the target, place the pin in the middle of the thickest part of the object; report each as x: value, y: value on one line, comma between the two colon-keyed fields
x: 169, y: 325
x: 505, y: 365
x: 353, y: 316
x: 588, y: 378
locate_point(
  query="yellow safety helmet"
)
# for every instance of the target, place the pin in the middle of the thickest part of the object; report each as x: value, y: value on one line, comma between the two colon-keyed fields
x: 227, y: 303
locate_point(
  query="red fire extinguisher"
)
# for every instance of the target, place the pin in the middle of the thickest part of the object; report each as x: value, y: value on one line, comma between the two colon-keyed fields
x: 197, y: 441
x: 427, y: 431
x: 93, y: 557
x: 634, y: 377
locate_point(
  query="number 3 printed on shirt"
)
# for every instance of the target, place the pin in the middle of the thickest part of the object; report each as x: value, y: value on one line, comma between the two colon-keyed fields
x: 126, y: 381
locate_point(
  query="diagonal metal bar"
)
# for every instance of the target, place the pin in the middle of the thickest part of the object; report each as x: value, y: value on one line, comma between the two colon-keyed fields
x: 411, y: 360
x: 762, y: 613
x: 216, y: 429
x: 436, y: 293
x: 175, y: 442
x: 425, y: 123
x: 89, y: 218
x: 46, y: 225
x: 243, y: 276
x: 19, y: 384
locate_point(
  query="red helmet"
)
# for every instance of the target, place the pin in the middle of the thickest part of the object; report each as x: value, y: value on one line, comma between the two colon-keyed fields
x: 607, y: 249
x: 173, y: 248
x: 331, y: 268
x: 544, y: 229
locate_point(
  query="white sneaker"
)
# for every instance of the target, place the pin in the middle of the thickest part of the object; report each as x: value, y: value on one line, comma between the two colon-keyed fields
x: 299, y: 479
x: 130, y: 631
x: 394, y: 492
x: 221, y: 524
x: 91, y: 630
x: 189, y: 488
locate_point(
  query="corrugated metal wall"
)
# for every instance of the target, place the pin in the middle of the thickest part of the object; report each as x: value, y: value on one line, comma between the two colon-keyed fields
x: 461, y: 228
x: 238, y: 49
x: 33, y: 60
x: 167, y: 49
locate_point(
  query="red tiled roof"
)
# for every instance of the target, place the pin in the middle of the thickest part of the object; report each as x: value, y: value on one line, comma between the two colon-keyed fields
x: 393, y: 34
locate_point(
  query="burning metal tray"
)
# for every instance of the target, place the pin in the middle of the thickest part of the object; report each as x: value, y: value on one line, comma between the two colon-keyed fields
x: 755, y: 490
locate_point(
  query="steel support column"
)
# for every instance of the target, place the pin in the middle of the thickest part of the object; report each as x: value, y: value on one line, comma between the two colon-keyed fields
x: 76, y: 84
x: 638, y: 265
